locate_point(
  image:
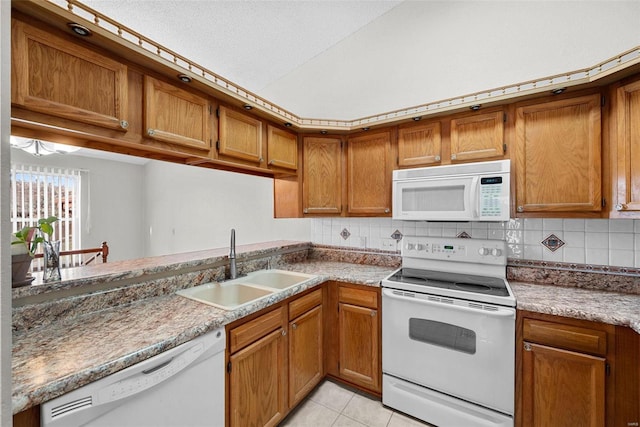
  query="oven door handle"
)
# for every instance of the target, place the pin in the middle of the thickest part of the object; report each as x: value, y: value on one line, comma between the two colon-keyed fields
x: 500, y: 312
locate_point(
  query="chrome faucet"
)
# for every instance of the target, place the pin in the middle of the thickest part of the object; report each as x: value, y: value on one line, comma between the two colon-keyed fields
x: 233, y: 273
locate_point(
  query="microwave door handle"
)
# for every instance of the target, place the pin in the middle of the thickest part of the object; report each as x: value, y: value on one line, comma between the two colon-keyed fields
x: 475, y: 200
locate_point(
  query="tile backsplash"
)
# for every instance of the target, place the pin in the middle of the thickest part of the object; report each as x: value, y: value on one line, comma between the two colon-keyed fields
x: 614, y: 242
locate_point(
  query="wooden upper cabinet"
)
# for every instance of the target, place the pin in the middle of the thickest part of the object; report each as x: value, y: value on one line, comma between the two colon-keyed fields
x: 628, y: 147
x: 282, y: 148
x: 176, y: 116
x: 480, y: 136
x: 369, y: 174
x: 55, y: 76
x: 322, y: 175
x: 240, y: 135
x: 558, y: 161
x: 419, y: 145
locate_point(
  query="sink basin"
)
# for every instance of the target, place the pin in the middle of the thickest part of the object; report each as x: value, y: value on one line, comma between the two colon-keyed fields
x: 275, y: 279
x: 235, y: 293
x: 227, y: 296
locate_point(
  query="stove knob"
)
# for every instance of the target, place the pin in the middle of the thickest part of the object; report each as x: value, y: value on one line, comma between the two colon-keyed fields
x: 420, y: 247
x: 483, y: 251
x: 410, y: 246
x: 496, y: 252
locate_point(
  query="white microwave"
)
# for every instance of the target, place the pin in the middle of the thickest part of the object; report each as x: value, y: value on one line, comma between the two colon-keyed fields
x: 467, y: 192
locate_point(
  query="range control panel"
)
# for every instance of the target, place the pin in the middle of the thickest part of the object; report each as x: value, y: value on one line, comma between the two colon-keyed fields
x: 455, y: 249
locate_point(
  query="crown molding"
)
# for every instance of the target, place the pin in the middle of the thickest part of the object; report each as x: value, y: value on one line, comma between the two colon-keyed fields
x: 109, y: 33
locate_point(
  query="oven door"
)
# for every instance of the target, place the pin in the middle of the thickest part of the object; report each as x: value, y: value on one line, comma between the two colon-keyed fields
x: 457, y: 347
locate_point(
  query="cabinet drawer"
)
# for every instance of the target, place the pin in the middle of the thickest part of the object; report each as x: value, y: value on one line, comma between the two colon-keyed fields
x: 361, y: 297
x: 305, y: 303
x: 255, y: 329
x: 565, y: 336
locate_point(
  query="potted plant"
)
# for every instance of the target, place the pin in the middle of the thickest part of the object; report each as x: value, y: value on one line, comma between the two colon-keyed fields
x: 24, y: 245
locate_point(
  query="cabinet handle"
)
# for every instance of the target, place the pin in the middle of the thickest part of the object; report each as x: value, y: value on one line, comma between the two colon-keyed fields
x: 453, y: 157
x: 527, y: 346
x: 260, y: 159
x: 151, y: 132
x: 270, y: 162
x: 284, y: 332
x: 124, y: 124
x: 520, y: 209
x: 436, y: 158
x: 294, y: 326
x: 373, y: 313
x: 621, y: 207
x: 386, y: 210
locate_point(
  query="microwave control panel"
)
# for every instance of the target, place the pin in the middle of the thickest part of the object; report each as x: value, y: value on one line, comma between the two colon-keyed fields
x: 491, y: 196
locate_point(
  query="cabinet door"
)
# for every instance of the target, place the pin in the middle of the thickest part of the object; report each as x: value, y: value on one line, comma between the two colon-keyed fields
x: 419, y: 145
x: 562, y: 388
x: 305, y: 354
x: 322, y: 176
x: 359, y: 333
x: 558, y: 156
x: 57, y: 77
x: 258, y: 382
x: 282, y: 148
x: 477, y: 137
x: 175, y: 116
x: 369, y: 174
x: 240, y: 136
x: 628, y: 179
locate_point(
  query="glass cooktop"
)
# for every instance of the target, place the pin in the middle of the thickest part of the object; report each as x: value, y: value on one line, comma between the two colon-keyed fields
x: 454, y: 281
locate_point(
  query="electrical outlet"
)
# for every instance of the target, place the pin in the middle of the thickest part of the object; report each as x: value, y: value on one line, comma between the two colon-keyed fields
x: 389, y: 244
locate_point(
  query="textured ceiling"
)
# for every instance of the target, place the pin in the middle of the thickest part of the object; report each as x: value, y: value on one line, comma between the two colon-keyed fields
x: 251, y: 43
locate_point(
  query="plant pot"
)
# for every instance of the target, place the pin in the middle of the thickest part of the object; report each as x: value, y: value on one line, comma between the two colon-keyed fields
x: 20, y: 265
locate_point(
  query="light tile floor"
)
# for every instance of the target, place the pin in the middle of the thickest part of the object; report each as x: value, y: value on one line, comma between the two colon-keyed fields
x: 333, y: 405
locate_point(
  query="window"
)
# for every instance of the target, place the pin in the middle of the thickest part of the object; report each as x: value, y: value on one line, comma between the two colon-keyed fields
x: 43, y: 191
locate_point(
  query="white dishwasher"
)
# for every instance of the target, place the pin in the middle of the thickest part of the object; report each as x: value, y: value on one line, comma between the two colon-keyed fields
x: 182, y: 387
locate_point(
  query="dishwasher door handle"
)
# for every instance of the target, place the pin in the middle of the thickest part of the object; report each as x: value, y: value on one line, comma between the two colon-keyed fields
x: 155, y: 368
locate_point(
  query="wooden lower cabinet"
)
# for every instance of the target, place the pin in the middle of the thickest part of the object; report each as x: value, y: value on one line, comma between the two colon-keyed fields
x: 352, y: 337
x: 305, y: 354
x: 562, y: 388
x: 358, y: 345
x: 275, y: 360
x: 573, y: 372
x: 257, y: 382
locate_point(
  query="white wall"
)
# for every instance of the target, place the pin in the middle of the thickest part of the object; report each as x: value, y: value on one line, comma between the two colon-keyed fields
x: 190, y: 208
x: 614, y: 242
x: 423, y: 51
x: 116, y: 193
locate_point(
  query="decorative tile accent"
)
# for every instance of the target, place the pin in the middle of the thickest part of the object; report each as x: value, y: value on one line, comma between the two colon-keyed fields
x: 397, y: 235
x: 553, y: 242
x: 463, y: 235
x: 345, y: 233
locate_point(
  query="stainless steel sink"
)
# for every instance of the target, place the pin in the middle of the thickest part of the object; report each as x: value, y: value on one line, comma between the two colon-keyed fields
x: 235, y: 293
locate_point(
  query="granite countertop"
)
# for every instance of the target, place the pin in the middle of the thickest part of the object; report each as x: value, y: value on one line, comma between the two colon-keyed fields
x: 51, y: 360
x: 614, y: 308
